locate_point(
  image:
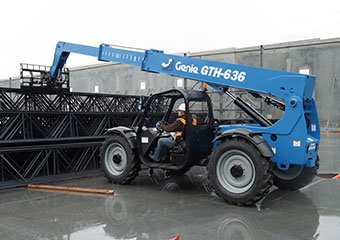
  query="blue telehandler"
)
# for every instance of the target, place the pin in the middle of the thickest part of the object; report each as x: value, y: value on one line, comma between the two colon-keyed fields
x: 243, y: 160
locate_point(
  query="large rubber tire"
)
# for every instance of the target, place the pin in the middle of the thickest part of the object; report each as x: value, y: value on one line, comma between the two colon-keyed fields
x: 118, y: 161
x: 296, y: 177
x: 236, y: 186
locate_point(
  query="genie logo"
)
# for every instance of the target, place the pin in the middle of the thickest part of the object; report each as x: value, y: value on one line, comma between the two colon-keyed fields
x: 168, y: 64
x: 186, y: 68
x: 206, y: 70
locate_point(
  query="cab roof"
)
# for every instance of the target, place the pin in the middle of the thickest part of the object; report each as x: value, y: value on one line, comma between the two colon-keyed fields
x: 190, y: 95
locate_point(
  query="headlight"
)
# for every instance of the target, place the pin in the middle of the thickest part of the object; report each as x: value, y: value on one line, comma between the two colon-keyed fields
x: 312, y: 146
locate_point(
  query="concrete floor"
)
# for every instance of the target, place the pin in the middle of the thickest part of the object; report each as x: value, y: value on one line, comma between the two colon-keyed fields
x: 162, y: 208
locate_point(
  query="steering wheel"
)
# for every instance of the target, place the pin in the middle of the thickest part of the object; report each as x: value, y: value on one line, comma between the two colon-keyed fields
x: 159, y: 125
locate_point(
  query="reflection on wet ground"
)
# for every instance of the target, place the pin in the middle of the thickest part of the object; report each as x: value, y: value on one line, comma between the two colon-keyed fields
x: 160, y: 208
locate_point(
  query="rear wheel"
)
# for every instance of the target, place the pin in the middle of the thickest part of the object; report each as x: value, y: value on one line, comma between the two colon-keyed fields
x: 239, y: 173
x: 118, y: 161
x: 295, y: 177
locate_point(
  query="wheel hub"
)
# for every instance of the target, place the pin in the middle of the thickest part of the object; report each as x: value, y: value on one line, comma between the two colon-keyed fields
x: 117, y: 159
x: 236, y: 171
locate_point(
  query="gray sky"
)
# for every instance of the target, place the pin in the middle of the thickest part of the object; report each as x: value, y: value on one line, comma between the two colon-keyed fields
x: 30, y: 29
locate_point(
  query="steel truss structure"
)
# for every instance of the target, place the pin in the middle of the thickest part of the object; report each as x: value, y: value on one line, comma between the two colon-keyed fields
x: 54, y: 135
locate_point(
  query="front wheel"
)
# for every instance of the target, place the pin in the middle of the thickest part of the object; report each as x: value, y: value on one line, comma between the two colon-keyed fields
x: 239, y: 173
x: 118, y: 161
x: 297, y: 176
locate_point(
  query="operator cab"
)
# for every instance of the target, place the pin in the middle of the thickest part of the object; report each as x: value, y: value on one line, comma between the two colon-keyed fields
x: 196, y: 140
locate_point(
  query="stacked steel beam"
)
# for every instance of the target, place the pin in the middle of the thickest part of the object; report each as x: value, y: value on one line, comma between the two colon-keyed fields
x: 49, y: 135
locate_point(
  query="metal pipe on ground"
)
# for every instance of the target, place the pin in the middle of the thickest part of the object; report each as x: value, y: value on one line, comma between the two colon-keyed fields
x: 71, y: 189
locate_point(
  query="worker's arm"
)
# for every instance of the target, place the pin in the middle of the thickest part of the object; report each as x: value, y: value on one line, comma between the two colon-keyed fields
x: 177, y: 126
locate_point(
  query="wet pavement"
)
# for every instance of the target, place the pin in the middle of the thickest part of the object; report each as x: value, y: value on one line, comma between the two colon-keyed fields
x: 160, y: 208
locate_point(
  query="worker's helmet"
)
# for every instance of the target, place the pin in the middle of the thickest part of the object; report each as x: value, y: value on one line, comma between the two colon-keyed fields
x: 181, y: 107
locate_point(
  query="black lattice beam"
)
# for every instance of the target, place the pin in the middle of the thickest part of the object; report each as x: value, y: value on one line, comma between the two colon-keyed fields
x: 49, y: 135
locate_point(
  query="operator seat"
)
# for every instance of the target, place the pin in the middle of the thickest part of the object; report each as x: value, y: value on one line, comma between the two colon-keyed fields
x: 180, y: 146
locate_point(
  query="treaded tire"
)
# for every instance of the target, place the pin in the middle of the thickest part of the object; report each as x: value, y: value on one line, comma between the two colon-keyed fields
x: 256, y: 180
x: 296, y: 182
x: 119, y: 162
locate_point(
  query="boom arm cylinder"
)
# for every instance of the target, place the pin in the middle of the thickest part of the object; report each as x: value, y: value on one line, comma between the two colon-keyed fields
x: 258, y: 117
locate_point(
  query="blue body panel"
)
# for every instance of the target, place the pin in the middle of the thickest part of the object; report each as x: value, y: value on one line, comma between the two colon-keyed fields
x: 294, y: 138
